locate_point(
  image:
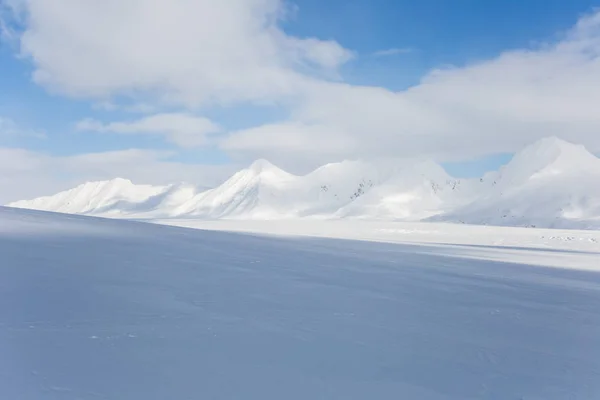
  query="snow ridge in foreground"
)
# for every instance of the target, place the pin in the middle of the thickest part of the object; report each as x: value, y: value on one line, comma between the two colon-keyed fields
x: 105, y: 309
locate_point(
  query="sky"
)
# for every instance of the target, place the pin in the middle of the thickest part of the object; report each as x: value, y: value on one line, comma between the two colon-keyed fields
x: 165, y: 91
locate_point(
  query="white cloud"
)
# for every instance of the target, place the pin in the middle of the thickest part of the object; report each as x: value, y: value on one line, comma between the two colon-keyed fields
x: 27, y: 174
x: 393, y: 51
x: 5, y: 32
x: 457, y: 113
x: 136, y: 108
x: 324, y: 54
x: 290, y: 145
x: 191, y: 53
x: 183, y: 129
x: 183, y: 51
x: 9, y: 12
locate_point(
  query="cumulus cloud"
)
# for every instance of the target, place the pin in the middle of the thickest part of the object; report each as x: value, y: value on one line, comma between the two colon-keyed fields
x: 192, y: 53
x: 183, y: 129
x: 459, y: 113
x: 290, y: 144
x: 182, y: 51
x: 28, y: 174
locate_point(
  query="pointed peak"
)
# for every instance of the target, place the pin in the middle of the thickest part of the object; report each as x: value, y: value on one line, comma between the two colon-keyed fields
x: 96, y: 183
x: 115, y: 182
x: 547, y: 157
x: 552, y: 140
x: 108, y: 182
x: 553, y: 143
x: 261, y: 165
x: 262, y: 168
x: 121, y: 181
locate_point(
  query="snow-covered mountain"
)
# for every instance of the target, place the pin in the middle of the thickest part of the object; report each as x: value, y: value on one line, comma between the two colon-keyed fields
x: 94, y: 198
x: 550, y: 183
x: 409, y: 190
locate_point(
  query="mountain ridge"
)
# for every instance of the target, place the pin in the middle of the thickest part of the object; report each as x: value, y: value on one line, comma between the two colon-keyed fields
x: 548, y: 183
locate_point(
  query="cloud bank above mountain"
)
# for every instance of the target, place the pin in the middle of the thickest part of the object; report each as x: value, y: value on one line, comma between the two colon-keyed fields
x: 182, y: 58
x: 26, y: 174
x: 191, y: 53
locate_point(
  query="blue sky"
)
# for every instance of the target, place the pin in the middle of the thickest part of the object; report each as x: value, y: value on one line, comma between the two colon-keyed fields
x: 361, y: 87
x: 439, y: 31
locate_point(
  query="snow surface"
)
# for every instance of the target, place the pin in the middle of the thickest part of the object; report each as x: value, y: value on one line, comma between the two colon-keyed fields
x: 105, y: 309
x: 571, y: 248
x: 551, y: 183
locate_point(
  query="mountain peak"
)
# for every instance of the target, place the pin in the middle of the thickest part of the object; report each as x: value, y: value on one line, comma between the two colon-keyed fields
x: 553, y: 144
x: 261, y: 165
x: 109, y: 182
x: 120, y: 180
x: 548, y: 179
x: 264, y: 168
x: 548, y: 157
x: 552, y: 150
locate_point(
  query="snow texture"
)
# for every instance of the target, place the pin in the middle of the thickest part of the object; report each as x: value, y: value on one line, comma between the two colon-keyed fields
x: 551, y: 183
x: 96, y: 308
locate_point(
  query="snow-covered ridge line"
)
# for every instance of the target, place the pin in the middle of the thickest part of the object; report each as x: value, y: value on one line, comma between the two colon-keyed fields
x: 551, y: 183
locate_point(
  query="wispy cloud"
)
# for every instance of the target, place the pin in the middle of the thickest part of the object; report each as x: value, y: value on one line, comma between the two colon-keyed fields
x: 182, y: 129
x: 393, y: 51
x: 6, y: 32
x: 136, y: 108
x: 11, y: 17
x: 10, y: 129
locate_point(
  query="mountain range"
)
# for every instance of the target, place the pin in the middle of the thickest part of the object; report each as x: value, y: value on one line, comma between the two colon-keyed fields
x: 551, y: 183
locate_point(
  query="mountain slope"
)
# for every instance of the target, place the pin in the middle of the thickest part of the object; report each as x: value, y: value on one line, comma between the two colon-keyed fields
x: 410, y: 192
x: 551, y: 183
x: 264, y: 191
x: 240, y: 195
x: 93, y: 197
x: 345, y: 189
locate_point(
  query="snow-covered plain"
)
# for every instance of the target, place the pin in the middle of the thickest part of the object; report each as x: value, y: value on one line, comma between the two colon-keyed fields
x: 564, y: 248
x: 107, y: 309
x: 551, y: 183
